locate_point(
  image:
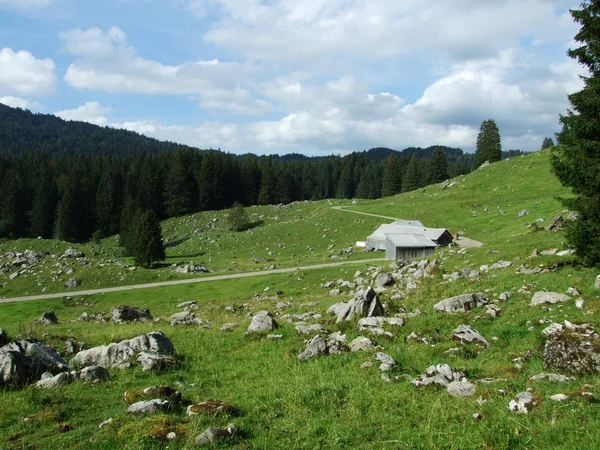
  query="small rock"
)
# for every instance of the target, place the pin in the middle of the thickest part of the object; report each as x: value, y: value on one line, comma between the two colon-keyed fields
x: 597, y: 283
x: 49, y: 381
x: 522, y: 213
x: 522, y: 403
x: 47, y: 318
x: 461, y: 389
x: 155, y: 361
x: 361, y: 343
x: 106, y: 423
x: 94, y: 374
x: 540, y: 298
x: 465, y: 334
x: 261, y: 322
x: 387, y: 362
x: 122, y: 314
x: 73, y: 283
x: 315, y: 347
x: 212, y: 407
x: 149, y: 406
x: 560, y: 397
x: 310, y: 329
x: 461, y: 303
x: 213, y: 434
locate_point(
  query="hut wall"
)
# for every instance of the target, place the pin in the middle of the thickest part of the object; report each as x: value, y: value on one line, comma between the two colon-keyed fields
x: 412, y: 253
x: 377, y: 245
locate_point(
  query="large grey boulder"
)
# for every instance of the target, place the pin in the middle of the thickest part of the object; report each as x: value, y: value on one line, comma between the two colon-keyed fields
x: 122, y: 314
x: 315, y: 347
x: 572, y: 349
x: 466, y: 334
x: 540, y: 298
x: 383, y: 280
x: 3, y: 338
x: 47, y: 318
x: 149, y: 406
x: 94, y: 374
x: 25, y: 360
x: 365, y: 304
x: 50, y: 381
x: 461, y: 303
x: 73, y: 283
x: 212, y: 434
x: 461, y: 389
x: 116, y: 353
x: 262, y: 322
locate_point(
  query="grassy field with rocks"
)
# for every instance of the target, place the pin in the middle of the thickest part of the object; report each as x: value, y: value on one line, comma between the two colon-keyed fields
x: 341, y: 399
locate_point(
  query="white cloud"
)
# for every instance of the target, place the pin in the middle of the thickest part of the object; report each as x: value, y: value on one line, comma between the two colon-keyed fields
x: 18, y: 102
x: 92, y: 112
x: 23, y: 74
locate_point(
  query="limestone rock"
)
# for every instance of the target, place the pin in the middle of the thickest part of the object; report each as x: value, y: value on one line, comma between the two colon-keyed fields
x: 210, y: 407
x: 213, y: 434
x: 552, y: 377
x: 559, y: 397
x: 465, y: 334
x: 522, y: 213
x: 73, y: 283
x: 155, y: 361
x: 556, y: 223
x: 336, y: 343
x: 122, y: 314
x: 540, y: 298
x: 310, y: 329
x: 440, y: 375
x: 50, y: 381
x: 365, y: 304
x: 597, y: 283
x: 47, y: 318
x: 461, y: 389
x: 192, y: 267
x: 522, y: 403
x: 116, y: 353
x: 72, y: 253
x: 25, y: 360
x: 361, y: 343
x: 573, y: 349
x: 461, y: 303
x: 262, y: 322
x: 383, y: 280
x: 315, y: 347
x: 149, y: 406
x: 188, y: 318
x: 94, y: 374
x: 387, y: 362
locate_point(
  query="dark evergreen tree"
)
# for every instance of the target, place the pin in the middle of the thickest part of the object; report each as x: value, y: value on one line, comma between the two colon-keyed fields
x: 109, y: 203
x: 126, y: 237
x: 180, y: 188
x: 211, y: 182
x: 147, y: 246
x: 13, y: 209
x: 268, y: 194
x: 250, y: 173
x: 237, y: 219
x: 370, y: 183
x: 438, y: 167
x: 45, y: 201
x: 412, y: 177
x: 489, y: 147
x: 548, y: 143
x: 392, y: 176
x: 576, y: 160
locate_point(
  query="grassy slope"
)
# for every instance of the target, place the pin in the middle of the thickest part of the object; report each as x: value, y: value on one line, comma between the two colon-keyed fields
x: 331, y: 402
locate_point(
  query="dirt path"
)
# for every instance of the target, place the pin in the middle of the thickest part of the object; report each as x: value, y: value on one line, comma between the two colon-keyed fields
x: 188, y: 281
x: 462, y: 242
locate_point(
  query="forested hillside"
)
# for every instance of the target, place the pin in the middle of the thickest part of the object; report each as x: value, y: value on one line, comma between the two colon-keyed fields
x: 72, y: 180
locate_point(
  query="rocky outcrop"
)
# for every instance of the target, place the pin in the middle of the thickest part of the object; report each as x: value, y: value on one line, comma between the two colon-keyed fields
x: 440, y: 375
x: 461, y: 303
x: 50, y: 381
x: 122, y: 314
x: 117, y: 353
x: 540, y: 298
x: 262, y: 322
x: 315, y: 347
x: 572, y: 349
x: 365, y: 304
x: 188, y: 318
x: 466, y: 334
x: 26, y: 360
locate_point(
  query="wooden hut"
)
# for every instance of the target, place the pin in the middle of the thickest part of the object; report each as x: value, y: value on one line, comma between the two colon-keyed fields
x: 408, y: 246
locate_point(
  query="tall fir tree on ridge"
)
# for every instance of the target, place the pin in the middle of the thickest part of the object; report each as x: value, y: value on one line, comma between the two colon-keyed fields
x: 412, y: 176
x: 576, y: 160
x: 489, y: 147
x: 438, y: 167
x: 392, y: 176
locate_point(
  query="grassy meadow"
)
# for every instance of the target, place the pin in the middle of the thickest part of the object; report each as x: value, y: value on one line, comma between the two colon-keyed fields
x: 328, y: 402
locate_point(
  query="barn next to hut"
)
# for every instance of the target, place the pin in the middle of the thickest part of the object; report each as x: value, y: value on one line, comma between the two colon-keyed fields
x: 407, y: 239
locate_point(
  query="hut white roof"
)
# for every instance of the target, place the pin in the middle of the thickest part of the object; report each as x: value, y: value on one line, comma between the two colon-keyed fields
x: 379, y: 234
x: 409, y: 223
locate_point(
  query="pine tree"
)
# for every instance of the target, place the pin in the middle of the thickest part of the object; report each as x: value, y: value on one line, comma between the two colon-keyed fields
x: 126, y: 238
x: 548, y: 143
x: 13, y: 217
x: 268, y: 184
x: 250, y: 173
x: 489, y: 147
x: 45, y: 201
x: 412, y: 176
x: 180, y: 190
x: 392, y: 176
x: 108, y: 203
x: 147, y: 245
x: 438, y: 167
x: 576, y: 160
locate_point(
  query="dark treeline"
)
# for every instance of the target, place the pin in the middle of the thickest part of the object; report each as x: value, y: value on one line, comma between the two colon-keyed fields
x: 74, y: 181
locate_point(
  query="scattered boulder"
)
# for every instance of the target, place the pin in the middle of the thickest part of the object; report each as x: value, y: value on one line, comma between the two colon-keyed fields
x: 556, y: 223
x: 155, y: 361
x: 365, y: 304
x: 262, y: 322
x: 505, y: 296
x: 315, y: 347
x: 116, y: 353
x: 188, y: 318
x: 192, y: 267
x: 559, y: 397
x: 210, y: 407
x: 461, y: 389
x: 94, y: 374
x: 47, y: 318
x: 597, y: 283
x: 361, y: 343
x: 552, y: 377
x: 122, y: 314
x: 466, y: 334
x: 440, y: 375
x: 73, y: 283
x: 573, y: 349
x: 191, y: 304
x: 383, y: 280
x: 72, y: 253
x: 310, y: 329
x: 461, y: 303
x: 522, y: 213
x: 540, y: 298
x: 149, y: 406
x: 50, y: 381
x: 213, y: 434
x: 25, y: 360
x: 3, y: 338
x: 522, y: 403
x: 387, y: 362
x: 336, y: 343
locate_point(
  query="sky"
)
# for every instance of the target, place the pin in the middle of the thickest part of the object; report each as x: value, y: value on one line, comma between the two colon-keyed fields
x: 316, y: 77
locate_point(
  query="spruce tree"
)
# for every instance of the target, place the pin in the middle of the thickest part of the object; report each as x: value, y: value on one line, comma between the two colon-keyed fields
x: 126, y: 239
x: 268, y: 185
x: 548, y: 143
x: 489, y: 147
x: 237, y: 219
x: 392, y: 176
x: 13, y: 217
x: 412, y: 176
x: 45, y: 201
x: 109, y: 203
x: 576, y: 160
x: 250, y: 173
x: 438, y: 167
x: 147, y: 246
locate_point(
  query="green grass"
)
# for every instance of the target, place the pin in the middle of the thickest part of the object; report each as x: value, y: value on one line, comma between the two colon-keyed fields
x: 328, y: 402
